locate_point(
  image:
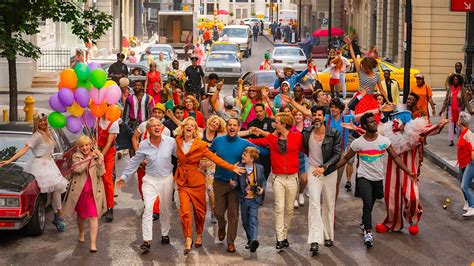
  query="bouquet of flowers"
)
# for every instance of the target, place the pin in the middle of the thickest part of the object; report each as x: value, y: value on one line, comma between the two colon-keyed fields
x: 178, y: 76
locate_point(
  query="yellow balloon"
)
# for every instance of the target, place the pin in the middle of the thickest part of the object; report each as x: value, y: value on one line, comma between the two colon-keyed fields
x: 108, y: 83
x: 75, y: 109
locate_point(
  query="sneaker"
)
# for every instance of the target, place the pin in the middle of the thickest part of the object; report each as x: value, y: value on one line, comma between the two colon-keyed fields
x: 279, y: 245
x: 296, y: 205
x: 328, y: 243
x: 368, y: 239
x: 58, y: 221
x: 286, y: 243
x: 254, y: 245
x: 314, y: 247
x: 470, y: 212
x: 247, y: 246
x: 466, y: 206
x: 165, y: 240
x: 213, y: 219
x: 109, y: 215
x: 145, y: 247
x: 301, y: 199
x: 348, y: 186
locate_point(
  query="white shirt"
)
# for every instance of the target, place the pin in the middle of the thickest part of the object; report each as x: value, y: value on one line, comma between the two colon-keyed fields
x: 142, y: 129
x: 371, y: 157
x: 114, y: 128
x: 345, y: 64
x: 158, y: 158
x: 315, y: 153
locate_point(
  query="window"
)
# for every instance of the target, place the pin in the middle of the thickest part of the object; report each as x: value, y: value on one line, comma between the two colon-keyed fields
x: 210, y: 8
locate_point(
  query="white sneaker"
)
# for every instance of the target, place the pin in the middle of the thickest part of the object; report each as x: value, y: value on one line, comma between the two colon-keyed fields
x: 296, y: 205
x: 465, y: 207
x: 470, y: 212
x: 301, y: 199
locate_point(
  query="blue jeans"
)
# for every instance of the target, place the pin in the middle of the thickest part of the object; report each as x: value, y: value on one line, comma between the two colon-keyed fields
x: 249, y: 212
x: 467, y: 176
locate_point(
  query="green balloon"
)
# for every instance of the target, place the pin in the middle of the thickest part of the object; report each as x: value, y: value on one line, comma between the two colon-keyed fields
x: 84, y: 84
x: 57, y: 120
x: 82, y: 71
x: 98, y: 77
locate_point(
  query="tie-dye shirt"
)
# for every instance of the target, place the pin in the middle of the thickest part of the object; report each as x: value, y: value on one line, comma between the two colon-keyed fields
x: 371, y: 157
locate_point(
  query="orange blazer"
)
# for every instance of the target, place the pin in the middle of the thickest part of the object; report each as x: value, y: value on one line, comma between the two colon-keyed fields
x: 188, y: 172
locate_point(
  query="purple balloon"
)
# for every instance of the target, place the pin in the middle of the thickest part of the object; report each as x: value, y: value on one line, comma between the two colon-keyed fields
x: 88, y: 118
x: 56, y: 104
x: 73, y: 124
x: 82, y: 97
x: 66, y: 96
x: 94, y: 65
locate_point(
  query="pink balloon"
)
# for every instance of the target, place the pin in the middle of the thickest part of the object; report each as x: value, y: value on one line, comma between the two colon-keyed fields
x: 66, y: 96
x: 97, y: 96
x: 81, y: 95
x: 73, y: 124
x: 112, y: 94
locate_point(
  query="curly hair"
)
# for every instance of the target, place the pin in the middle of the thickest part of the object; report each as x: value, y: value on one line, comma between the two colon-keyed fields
x: 368, y: 64
x: 212, y: 118
x: 194, y: 100
x: 460, y: 79
x: 179, y: 131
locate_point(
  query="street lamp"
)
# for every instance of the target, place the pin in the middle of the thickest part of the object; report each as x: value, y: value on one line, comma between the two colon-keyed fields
x: 407, y: 49
x: 329, y: 24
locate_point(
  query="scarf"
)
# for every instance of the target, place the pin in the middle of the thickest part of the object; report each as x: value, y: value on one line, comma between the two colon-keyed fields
x: 454, y: 103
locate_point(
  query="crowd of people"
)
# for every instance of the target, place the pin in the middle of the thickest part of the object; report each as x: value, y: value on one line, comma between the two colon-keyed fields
x: 183, y: 139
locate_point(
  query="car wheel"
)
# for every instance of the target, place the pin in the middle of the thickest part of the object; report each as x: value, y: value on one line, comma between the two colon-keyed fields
x: 246, y: 53
x: 38, y: 221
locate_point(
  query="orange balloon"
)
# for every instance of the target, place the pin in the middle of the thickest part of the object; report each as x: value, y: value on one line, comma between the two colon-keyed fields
x: 75, y: 109
x: 113, y: 113
x: 68, y: 78
x: 98, y: 110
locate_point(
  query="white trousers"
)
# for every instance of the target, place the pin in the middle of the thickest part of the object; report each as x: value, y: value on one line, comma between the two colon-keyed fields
x: 153, y: 187
x: 321, y: 225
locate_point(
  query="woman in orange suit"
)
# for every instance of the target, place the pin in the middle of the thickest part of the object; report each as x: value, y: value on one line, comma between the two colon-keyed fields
x: 191, y: 181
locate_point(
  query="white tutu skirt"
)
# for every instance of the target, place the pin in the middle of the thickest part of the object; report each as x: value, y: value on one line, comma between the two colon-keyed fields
x: 47, y: 174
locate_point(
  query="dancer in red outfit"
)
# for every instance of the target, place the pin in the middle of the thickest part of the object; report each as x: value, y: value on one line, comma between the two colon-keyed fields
x: 402, y: 198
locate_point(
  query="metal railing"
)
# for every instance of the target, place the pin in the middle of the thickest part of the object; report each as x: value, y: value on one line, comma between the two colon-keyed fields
x: 54, y: 59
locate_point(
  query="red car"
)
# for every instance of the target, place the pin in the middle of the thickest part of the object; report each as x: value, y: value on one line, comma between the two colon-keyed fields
x: 267, y: 78
x: 21, y: 203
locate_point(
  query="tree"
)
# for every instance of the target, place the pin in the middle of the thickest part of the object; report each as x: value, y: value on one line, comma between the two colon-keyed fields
x: 20, y: 19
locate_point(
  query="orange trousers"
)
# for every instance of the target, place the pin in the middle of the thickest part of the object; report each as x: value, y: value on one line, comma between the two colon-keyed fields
x: 141, y: 173
x: 195, y: 196
x: 109, y: 162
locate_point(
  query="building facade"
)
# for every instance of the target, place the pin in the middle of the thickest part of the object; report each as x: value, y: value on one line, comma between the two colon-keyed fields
x: 438, y: 34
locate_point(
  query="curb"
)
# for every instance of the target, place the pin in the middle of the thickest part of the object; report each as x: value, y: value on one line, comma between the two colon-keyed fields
x: 269, y: 39
x: 439, y: 161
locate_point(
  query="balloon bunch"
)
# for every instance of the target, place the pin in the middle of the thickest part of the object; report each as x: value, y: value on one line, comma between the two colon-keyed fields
x: 86, y: 94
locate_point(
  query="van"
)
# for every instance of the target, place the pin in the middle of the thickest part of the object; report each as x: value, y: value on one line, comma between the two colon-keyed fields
x: 241, y: 35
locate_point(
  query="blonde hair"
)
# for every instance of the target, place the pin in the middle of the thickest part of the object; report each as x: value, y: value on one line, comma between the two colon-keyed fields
x: 195, y: 101
x: 179, y: 131
x: 47, y: 136
x: 286, y: 119
x: 83, y: 140
x: 253, y: 152
x: 212, y: 118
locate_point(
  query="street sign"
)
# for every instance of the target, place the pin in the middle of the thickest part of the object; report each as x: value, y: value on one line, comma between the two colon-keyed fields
x: 324, y: 23
x: 462, y: 5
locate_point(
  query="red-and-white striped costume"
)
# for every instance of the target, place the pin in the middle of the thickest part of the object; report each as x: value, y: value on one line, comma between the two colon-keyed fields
x: 402, y: 197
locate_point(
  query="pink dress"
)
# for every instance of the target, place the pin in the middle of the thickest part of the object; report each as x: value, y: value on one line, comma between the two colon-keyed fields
x: 85, y: 206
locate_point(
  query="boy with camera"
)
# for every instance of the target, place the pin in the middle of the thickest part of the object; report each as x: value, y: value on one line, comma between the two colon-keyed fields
x: 251, y: 185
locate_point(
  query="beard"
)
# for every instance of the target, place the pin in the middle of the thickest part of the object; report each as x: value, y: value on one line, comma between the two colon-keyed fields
x: 317, y: 124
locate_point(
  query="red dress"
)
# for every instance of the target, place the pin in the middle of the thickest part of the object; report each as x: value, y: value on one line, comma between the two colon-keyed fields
x: 154, y: 85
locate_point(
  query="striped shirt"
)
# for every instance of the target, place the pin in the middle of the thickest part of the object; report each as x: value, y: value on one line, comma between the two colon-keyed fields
x: 368, y: 82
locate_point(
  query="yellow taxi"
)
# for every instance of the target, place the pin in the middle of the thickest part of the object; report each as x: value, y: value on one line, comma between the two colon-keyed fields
x: 227, y: 47
x: 352, y: 78
x: 209, y: 24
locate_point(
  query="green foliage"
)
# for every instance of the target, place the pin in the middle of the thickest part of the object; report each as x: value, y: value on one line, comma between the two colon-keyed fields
x: 19, y: 18
x: 7, y: 153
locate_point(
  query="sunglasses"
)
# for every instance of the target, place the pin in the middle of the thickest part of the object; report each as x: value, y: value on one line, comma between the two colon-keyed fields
x: 252, y: 91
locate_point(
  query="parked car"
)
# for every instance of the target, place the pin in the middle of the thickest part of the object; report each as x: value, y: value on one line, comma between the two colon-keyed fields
x: 289, y: 55
x: 225, y: 64
x: 352, y: 78
x: 252, y: 21
x: 241, y: 35
x: 165, y: 48
x: 267, y: 78
x: 21, y: 203
x: 226, y: 46
x: 131, y: 66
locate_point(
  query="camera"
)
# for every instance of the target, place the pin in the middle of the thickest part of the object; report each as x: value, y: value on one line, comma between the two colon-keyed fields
x: 254, y: 189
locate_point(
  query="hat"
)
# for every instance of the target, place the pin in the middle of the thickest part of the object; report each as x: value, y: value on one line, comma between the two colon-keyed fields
x: 267, y: 56
x: 194, y: 57
x: 419, y: 76
x: 229, y: 101
x: 285, y: 82
x: 120, y: 55
x: 160, y: 106
x: 124, y: 82
x: 289, y: 67
x: 399, y: 109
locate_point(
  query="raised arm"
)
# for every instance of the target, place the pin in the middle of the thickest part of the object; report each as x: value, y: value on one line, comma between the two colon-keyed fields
x: 17, y: 155
x: 298, y: 106
x: 215, y: 97
x: 348, y: 41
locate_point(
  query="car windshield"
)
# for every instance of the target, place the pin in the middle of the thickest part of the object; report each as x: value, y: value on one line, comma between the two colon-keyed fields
x: 156, y: 50
x: 266, y: 79
x: 11, y: 143
x: 224, y: 47
x: 156, y: 56
x: 234, y: 32
x: 222, y: 57
x: 288, y: 52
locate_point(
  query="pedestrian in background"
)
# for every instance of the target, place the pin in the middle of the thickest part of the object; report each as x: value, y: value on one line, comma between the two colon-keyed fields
x: 425, y: 95
x: 455, y: 101
x: 86, y: 195
x: 255, y: 31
